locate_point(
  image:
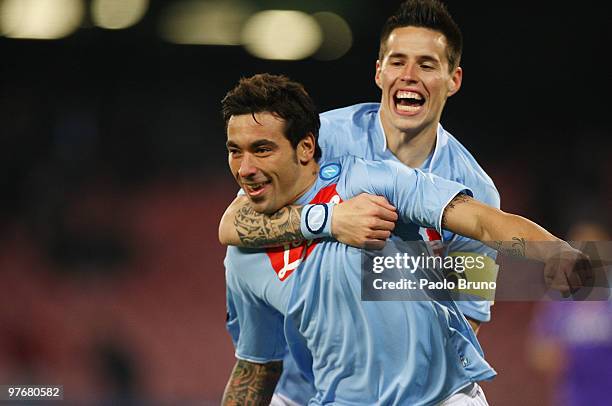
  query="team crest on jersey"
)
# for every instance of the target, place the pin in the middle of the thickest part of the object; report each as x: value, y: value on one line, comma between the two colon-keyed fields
x: 286, y: 259
x: 330, y: 171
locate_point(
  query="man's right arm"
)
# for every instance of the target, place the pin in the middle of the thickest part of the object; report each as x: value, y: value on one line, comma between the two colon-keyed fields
x: 566, y: 268
x: 431, y: 201
x: 242, y: 226
x: 251, y: 383
x: 363, y: 221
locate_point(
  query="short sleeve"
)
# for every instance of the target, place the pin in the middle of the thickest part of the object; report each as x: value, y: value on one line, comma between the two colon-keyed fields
x: 419, y: 197
x: 255, y: 327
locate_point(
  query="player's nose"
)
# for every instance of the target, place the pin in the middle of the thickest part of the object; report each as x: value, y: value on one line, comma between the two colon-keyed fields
x: 409, y: 73
x: 247, y: 167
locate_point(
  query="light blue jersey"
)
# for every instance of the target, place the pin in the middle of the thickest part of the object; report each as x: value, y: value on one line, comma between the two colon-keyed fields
x: 357, y: 130
x: 308, y: 298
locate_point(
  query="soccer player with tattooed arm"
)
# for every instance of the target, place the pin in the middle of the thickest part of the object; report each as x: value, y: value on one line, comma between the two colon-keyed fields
x: 417, y: 69
x: 305, y: 299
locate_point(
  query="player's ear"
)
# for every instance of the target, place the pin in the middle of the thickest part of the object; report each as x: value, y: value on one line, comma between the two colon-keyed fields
x: 377, y: 74
x: 454, y: 82
x: 306, y: 149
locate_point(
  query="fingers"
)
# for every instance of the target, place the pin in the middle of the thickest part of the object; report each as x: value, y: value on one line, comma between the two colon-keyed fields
x: 380, y: 201
x: 364, y: 221
x: 585, y: 271
x: 581, y: 274
x: 370, y: 205
x: 385, y: 214
x: 555, y: 277
x: 380, y: 235
x: 573, y: 282
x: 374, y: 245
x: 569, y: 274
x: 373, y: 237
x: 382, y: 225
x: 383, y: 210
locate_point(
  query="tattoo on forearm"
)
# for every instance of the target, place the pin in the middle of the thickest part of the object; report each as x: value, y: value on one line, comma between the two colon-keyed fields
x: 460, y: 198
x: 514, y: 248
x: 257, y: 230
x: 252, y: 384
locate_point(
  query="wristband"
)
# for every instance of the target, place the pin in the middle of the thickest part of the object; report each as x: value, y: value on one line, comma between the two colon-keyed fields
x: 316, y: 221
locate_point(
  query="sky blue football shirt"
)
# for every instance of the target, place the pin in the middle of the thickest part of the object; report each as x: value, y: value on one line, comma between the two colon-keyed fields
x: 357, y: 130
x: 308, y: 297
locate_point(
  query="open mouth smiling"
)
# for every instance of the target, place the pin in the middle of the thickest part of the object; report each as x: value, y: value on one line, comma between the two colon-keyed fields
x: 255, y: 189
x: 408, y: 101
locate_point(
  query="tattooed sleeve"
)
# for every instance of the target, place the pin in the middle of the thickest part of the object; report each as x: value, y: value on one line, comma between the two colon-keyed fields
x: 252, y: 384
x: 260, y: 230
x: 460, y: 198
x: 515, y: 247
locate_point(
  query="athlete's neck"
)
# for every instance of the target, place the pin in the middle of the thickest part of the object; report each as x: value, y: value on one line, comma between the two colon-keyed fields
x: 411, y: 148
x: 307, y: 179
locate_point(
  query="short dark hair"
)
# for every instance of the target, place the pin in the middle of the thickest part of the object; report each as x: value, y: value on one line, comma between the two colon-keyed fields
x: 279, y: 95
x: 430, y: 14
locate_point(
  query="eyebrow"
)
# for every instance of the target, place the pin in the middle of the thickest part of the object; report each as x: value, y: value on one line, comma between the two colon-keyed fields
x: 260, y: 143
x: 253, y: 145
x: 397, y: 55
x: 419, y: 57
x: 428, y: 58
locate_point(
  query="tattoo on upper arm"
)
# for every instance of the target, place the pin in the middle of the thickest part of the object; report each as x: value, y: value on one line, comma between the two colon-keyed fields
x: 460, y: 198
x: 257, y: 230
x: 252, y: 384
x: 515, y: 248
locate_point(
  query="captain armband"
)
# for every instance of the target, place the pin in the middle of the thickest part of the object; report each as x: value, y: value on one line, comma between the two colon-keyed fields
x: 316, y: 221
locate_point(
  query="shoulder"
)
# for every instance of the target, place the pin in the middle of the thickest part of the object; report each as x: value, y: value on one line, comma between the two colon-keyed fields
x: 355, y: 113
x: 356, y: 175
x: 348, y: 121
x: 348, y: 130
x: 354, y: 166
x: 465, y: 169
